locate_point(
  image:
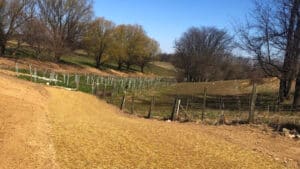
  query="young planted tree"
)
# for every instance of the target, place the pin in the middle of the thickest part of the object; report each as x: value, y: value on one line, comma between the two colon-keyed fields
x: 66, y: 22
x: 98, y: 39
x: 13, y: 14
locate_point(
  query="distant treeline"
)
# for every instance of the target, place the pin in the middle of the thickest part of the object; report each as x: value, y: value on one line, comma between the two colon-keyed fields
x: 53, y: 28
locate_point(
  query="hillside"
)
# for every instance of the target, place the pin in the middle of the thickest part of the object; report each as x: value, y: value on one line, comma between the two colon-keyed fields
x: 46, y: 127
x: 79, y: 62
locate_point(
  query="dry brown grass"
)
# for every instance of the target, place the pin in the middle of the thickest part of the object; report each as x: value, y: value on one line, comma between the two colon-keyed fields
x: 165, y: 65
x: 230, y: 87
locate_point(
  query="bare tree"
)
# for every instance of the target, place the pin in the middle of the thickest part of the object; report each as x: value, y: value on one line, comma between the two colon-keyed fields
x: 13, y: 14
x: 271, y: 37
x: 66, y: 22
x: 35, y: 34
x: 98, y: 39
x: 200, y: 51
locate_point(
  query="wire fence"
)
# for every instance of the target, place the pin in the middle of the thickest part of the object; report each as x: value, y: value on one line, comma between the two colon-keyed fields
x: 133, y: 95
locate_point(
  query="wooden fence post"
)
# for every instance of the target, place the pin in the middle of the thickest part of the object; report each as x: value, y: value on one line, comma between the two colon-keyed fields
x: 252, y: 104
x: 17, y: 69
x: 123, y: 102
x: 93, y: 88
x: 44, y: 73
x: 64, y: 76
x: 204, y: 103
x: 239, y: 108
x: 177, y: 108
x: 187, y: 104
x: 30, y: 71
x: 132, y: 104
x: 268, y: 112
x: 222, y: 119
x: 56, y: 79
x: 68, y: 80
x: 104, y: 90
x: 77, y: 81
x: 35, y: 75
x: 174, y: 109
x: 151, y: 107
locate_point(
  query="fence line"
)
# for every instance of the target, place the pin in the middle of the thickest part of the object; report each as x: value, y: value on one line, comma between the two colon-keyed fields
x: 203, y: 107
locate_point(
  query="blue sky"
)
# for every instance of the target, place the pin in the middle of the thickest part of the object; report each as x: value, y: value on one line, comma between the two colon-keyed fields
x: 166, y: 20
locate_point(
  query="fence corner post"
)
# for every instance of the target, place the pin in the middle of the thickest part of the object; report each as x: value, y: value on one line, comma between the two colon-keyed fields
x: 252, y: 103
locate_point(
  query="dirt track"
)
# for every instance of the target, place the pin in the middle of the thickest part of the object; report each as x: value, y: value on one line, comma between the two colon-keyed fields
x: 24, y: 130
x: 43, y: 127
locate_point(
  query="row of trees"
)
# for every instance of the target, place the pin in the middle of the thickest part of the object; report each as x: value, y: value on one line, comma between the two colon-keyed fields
x: 126, y: 44
x: 57, y: 27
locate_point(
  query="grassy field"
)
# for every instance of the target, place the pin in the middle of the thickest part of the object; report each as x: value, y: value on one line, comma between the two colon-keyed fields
x: 154, y: 68
x: 80, y: 58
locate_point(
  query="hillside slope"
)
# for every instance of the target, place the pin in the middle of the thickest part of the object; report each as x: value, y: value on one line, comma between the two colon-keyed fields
x: 43, y: 127
x: 73, y: 64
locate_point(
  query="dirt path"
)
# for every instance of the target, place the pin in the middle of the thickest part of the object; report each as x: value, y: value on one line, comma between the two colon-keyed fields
x: 44, y: 127
x: 88, y: 133
x: 24, y: 130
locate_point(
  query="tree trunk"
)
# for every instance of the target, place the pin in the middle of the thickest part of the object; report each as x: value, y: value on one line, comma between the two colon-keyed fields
x: 128, y: 66
x: 57, y: 56
x: 290, y: 64
x: 2, y: 48
x: 98, y: 60
x: 120, y: 65
x: 285, y: 89
x: 296, y: 103
x: 142, y: 68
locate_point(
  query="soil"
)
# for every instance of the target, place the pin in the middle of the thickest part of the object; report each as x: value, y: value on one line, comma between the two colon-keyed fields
x: 45, y: 127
